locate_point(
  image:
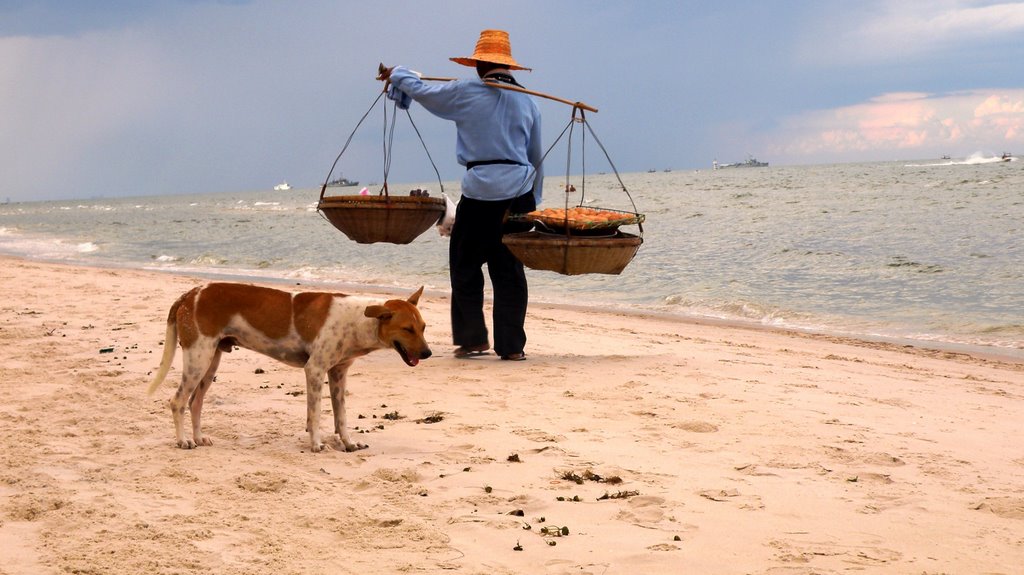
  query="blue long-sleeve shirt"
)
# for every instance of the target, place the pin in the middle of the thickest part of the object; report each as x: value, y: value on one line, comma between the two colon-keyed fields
x: 491, y: 124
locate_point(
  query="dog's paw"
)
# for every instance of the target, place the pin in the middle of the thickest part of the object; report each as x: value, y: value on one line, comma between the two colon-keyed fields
x: 186, y: 444
x: 204, y: 441
x: 317, y: 447
x: 355, y: 446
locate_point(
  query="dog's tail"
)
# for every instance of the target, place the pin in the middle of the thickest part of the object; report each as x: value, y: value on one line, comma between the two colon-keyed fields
x: 170, y: 345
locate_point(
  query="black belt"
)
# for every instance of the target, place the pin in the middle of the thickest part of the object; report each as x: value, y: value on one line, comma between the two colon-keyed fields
x: 471, y: 165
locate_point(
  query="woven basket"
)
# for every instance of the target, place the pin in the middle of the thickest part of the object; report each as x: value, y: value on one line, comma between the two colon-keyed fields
x: 573, y: 255
x: 392, y: 219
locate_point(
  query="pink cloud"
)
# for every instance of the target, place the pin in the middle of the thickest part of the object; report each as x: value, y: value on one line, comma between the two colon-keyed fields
x: 905, y: 123
x: 998, y: 104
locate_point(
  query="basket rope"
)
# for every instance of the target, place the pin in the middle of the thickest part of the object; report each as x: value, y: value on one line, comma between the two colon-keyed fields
x: 388, y: 145
x: 347, y: 142
x: 429, y: 157
x: 569, y: 127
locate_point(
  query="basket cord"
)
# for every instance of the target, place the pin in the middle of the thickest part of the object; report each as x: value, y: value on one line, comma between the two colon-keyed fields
x: 552, y: 146
x: 569, y: 128
x: 389, y: 137
x: 614, y: 170
x: 345, y: 147
x: 568, y: 163
x: 583, y: 156
x: 429, y: 157
x: 388, y: 143
x: 544, y: 157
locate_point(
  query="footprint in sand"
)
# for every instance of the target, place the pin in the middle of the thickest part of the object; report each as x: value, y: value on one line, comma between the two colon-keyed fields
x: 848, y: 456
x: 858, y: 556
x: 868, y: 477
x: 1007, y: 507
x: 643, y: 510
x: 538, y: 435
x: 751, y: 502
x: 265, y: 482
x: 883, y: 459
x: 696, y: 426
x: 663, y: 547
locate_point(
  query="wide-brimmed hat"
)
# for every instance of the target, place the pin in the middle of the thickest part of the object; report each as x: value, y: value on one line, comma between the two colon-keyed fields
x: 493, y: 46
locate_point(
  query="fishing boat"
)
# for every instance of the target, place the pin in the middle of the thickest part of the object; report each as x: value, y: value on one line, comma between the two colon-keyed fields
x: 341, y: 182
x: 750, y: 163
x: 282, y: 187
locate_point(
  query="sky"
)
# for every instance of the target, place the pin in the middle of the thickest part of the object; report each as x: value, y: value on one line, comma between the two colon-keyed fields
x: 110, y: 98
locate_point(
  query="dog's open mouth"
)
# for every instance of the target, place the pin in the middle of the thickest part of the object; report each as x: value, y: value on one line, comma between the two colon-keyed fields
x: 410, y: 361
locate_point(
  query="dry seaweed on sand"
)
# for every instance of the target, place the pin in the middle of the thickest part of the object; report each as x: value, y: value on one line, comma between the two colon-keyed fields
x: 432, y: 418
x: 618, y: 495
x: 589, y: 475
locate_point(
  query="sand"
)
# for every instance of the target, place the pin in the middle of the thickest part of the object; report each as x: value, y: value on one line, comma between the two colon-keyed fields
x: 625, y: 444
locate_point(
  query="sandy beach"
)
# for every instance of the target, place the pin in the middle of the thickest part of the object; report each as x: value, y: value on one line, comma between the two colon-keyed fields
x: 625, y: 444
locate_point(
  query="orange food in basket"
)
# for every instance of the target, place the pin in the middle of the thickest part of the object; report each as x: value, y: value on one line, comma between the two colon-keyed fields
x: 583, y: 218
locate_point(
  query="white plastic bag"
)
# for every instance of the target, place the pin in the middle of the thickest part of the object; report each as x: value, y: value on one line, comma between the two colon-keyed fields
x: 445, y: 223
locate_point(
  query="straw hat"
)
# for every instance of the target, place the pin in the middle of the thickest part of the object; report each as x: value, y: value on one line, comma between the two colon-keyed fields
x: 493, y: 46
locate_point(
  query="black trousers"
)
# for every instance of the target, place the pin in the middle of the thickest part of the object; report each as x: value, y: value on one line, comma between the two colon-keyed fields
x: 476, y: 240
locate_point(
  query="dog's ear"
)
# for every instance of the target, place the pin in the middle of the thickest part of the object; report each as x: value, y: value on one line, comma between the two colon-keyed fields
x: 377, y: 311
x: 415, y: 298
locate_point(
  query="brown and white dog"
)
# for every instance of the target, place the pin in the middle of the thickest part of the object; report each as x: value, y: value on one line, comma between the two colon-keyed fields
x: 323, y: 333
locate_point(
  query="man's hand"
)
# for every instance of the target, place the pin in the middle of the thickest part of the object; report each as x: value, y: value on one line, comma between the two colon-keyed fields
x: 384, y: 73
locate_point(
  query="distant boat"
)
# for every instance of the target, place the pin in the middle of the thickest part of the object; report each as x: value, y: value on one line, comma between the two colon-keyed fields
x: 342, y: 182
x: 750, y: 163
x: 1006, y: 157
x: 282, y: 187
x: 945, y: 157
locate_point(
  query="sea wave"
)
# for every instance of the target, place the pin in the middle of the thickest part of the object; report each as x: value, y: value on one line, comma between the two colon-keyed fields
x: 845, y: 249
x: 15, y: 243
x: 975, y: 159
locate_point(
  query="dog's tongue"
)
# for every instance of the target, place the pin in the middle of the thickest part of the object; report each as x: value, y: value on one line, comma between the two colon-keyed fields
x: 414, y: 361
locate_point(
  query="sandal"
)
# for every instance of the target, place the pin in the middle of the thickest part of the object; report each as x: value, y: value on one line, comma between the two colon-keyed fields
x: 514, y: 357
x: 464, y: 351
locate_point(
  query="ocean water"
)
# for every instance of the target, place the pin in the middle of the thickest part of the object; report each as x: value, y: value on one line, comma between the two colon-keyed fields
x: 926, y: 251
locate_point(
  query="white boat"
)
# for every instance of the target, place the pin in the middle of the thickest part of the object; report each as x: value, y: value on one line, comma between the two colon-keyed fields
x: 282, y: 187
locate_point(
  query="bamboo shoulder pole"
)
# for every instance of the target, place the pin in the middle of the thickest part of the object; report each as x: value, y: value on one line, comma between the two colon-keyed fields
x: 580, y: 105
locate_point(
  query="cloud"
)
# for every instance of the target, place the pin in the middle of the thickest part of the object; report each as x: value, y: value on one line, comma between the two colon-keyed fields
x: 905, y: 124
x: 908, y: 30
x: 919, y: 25
x: 997, y: 105
x: 1000, y: 112
x: 73, y: 94
x: 172, y: 97
x: 125, y: 98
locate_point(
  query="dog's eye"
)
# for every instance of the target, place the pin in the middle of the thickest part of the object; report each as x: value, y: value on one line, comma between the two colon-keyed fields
x: 410, y: 330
